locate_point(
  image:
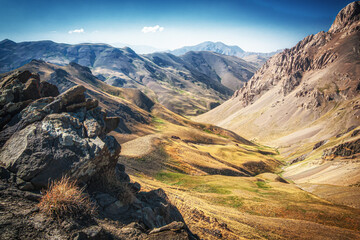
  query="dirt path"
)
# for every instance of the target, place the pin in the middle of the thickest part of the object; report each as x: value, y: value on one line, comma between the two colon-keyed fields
x: 139, y: 146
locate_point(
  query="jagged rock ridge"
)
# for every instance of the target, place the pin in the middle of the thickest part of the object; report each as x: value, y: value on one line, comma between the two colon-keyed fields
x: 45, y: 136
x: 303, y: 95
x: 163, y: 77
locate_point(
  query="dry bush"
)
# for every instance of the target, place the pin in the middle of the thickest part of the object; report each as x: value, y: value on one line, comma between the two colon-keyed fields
x: 65, y: 199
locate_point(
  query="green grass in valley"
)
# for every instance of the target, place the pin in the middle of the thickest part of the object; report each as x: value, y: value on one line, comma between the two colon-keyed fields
x: 262, y: 185
x: 230, y: 201
x: 157, y: 120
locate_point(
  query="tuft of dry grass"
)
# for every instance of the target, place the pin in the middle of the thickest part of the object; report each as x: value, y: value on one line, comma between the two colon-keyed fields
x: 65, y: 199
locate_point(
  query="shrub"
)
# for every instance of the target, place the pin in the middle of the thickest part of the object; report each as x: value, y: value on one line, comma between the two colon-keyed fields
x: 65, y: 199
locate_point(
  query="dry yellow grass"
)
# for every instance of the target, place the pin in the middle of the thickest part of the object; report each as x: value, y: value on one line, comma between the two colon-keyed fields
x: 259, y: 207
x: 65, y: 199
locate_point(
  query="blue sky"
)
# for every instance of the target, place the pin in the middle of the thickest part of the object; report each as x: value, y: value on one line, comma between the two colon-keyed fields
x: 254, y: 25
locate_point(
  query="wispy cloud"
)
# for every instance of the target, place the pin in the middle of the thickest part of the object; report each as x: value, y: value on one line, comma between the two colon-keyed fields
x: 81, y: 30
x: 153, y: 29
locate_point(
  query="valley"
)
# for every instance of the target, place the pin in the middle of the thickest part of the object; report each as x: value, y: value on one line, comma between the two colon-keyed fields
x: 189, y: 85
x: 201, y: 142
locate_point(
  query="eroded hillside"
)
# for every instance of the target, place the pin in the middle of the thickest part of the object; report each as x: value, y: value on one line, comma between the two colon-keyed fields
x: 185, y: 87
x: 305, y: 101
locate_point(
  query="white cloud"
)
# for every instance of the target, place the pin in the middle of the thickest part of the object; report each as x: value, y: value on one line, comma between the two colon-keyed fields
x: 81, y: 30
x: 153, y: 29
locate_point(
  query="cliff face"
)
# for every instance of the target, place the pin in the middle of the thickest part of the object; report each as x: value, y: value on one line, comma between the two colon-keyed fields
x: 287, y: 68
x: 301, y: 96
x: 346, y: 18
x: 315, y: 52
x: 301, y: 85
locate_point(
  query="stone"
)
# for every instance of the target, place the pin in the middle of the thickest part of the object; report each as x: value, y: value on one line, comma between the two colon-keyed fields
x: 116, y: 208
x: 342, y: 150
x: 47, y: 146
x: 105, y: 199
x: 73, y: 95
x: 319, y: 144
x: 111, y: 123
x: 31, y: 90
x: 121, y: 175
x: 48, y: 90
x: 88, y: 104
x: 54, y: 107
x: 93, y: 128
x: 135, y: 187
x: 347, y: 16
x: 174, y: 226
x: 4, y: 173
x: 95, y: 232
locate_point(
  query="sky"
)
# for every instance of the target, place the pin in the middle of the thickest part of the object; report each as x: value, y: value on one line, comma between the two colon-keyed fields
x: 253, y: 25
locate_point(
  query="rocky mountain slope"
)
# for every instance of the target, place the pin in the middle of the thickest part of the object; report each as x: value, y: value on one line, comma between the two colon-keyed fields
x: 219, y: 47
x: 304, y: 97
x: 45, y: 136
x: 222, y: 185
x: 229, y: 71
x: 129, y: 104
x: 163, y: 77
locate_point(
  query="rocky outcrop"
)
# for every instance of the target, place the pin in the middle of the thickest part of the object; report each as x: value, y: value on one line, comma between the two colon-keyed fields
x: 20, y: 218
x: 49, y: 137
x: 287, y: 68
x: 342, y: 150
x: 346, y: 18
x: 52, y: 136
x: 18, y: 91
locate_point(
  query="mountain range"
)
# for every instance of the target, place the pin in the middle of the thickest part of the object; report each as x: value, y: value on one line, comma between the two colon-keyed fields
x: 221, y: 48
x: 305, y: 101
x: 188, y: 84
x: 279, y: 159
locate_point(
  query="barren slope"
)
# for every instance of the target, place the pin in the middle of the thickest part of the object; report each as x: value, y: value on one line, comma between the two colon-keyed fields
x: 163, y: 77
x: 305, y: 101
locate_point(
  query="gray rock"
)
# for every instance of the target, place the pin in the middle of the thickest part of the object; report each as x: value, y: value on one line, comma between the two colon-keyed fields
x: 48, y: 90
x: 88, y: 104
x: 105, y: 199
x: 116, y: 208
x: 23, y: 185
x: 135, y: 187
x: 31, y: 89
x: 73, y: 95
x: 47, y: 146
x: 53, y: 107
x: 111, y: 123
x: 122, y: 176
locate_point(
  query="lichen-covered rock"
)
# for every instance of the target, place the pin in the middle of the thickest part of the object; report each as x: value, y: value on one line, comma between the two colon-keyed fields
x: 42, y: 140
x: 46, y: 137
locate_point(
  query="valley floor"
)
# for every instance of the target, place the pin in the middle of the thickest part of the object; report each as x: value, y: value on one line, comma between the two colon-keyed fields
x: 229, y: 188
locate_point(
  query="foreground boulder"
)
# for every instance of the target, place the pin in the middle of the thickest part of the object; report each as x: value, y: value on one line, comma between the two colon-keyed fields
x: 45, y: 140
x: 45, y: 136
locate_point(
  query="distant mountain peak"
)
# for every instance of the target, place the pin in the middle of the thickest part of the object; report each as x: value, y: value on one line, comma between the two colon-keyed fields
x: 7, y: 42
x: 346, y: 17
x: 217, y: 47
x: 221, y: 48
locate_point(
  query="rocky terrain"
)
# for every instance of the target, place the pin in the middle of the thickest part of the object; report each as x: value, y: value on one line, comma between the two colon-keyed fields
x: 142, y: 171
x: 172, y: 81
x: 304, y: 101
x: 45, y: 136
x: 129, y: 104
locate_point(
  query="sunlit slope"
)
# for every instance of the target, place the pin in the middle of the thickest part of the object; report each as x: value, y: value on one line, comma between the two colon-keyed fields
x: 225, y: 188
